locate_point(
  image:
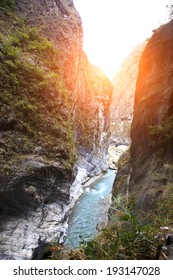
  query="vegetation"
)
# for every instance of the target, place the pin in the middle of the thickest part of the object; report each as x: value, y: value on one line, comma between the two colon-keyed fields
x: 128, y: 234
x: 125, y: 237
x: 163, y: 215
x: 162, y: 136
x: 87, y: 127
x: 7, y: 5
x: 165, y: 130
x: 34, y: 101
x: 36, y: 107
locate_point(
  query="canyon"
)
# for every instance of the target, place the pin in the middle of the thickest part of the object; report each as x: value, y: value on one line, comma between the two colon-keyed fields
x: 56, y: 119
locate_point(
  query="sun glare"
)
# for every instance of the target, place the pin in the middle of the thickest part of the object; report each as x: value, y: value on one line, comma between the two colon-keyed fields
x: 113, y: 28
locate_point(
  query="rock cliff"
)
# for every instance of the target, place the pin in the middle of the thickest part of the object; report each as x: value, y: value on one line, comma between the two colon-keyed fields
x: 124, y: 85
x: 151, y: 155
x: 54, y: 122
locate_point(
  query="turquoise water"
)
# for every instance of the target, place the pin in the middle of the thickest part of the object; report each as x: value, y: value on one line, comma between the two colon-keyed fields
x: 90, y: 211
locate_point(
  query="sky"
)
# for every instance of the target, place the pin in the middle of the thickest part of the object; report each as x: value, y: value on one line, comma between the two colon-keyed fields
x: 113, y: 28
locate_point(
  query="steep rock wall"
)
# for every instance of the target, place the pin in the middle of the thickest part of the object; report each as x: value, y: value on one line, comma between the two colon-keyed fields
x: 54, y: 122
x: 124, y: 86
x: 151, y: 158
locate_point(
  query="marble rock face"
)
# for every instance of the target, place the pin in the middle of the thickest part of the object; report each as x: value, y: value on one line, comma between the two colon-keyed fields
x: 36, y: 191
x: 33, y: 209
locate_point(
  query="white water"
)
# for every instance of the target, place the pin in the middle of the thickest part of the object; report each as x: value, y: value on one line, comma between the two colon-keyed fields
x: 90, y: 211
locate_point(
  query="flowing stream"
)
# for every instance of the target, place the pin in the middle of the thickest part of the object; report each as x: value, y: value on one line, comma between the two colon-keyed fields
x: 90, y: 212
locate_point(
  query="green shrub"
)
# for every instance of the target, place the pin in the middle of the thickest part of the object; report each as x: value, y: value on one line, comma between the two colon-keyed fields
x: 125, y: 238
x: 33, y: 89
x: 25, y: 107
x: 163, y: 215
x: 164, y: 130
x: 7, y: 4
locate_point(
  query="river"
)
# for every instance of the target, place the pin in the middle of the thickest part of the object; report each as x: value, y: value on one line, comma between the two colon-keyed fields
x: 90, y: 212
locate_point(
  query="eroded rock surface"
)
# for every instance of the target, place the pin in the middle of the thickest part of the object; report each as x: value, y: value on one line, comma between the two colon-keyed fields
x: 54, y: 123
x: 33, y: 208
